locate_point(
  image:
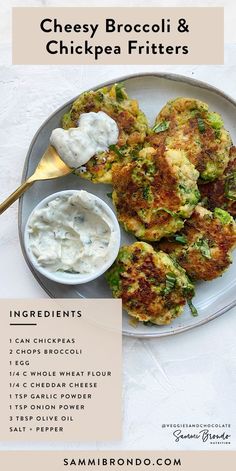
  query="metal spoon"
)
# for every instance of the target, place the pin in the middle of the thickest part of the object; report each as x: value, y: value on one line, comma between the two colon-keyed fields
x: 50, y: 166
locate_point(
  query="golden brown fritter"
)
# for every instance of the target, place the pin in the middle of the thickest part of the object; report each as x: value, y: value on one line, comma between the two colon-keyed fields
x: 187, y: 124
x: 155, y: 193
x: 152, y: 287
x: 222, y: 192
x: 204, y: 245
x: 131, y: 121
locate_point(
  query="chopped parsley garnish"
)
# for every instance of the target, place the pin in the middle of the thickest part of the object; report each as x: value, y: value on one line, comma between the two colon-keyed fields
x: 217, y: 133
x: 150, y: 169
x: 202, y: 245
x: 230, y: 186
x: 134, y: 153
x: 109, y: 195
x: 100, y: 96
x: 193, y: 113
x: 148, y: 323
x: 174, y: 215
x: 119, y: 92
x: 182, y: 239
x: 160, y: 127
x: 147, y: 194
x: 170, y: 283
x: 201, y: 125
x: 116, y: 150
x: 192, y: 308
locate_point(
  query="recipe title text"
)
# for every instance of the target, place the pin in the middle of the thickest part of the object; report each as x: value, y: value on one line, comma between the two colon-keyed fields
x: 110, y: 26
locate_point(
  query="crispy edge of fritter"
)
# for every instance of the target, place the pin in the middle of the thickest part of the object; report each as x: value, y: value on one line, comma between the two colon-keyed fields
x: 139, y: 276
x: 210, y: 239
x: 203, y: 128
x: 214, y: 194
x: 167, y: 207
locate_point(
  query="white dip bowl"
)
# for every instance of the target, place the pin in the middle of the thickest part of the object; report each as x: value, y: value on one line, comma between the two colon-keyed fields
x: 65, y: 277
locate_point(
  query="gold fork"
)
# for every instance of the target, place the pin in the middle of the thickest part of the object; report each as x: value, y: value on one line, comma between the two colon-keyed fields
x: 50, y: 166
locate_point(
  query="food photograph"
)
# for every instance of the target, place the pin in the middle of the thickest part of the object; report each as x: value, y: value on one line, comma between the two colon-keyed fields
x: 136, y: 200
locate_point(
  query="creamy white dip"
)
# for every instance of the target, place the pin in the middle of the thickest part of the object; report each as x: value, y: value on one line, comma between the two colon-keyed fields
x: 95, y: 133
x: 72, y: 233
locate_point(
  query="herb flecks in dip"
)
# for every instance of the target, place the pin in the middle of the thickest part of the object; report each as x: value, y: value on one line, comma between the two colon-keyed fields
x: 72, y: 233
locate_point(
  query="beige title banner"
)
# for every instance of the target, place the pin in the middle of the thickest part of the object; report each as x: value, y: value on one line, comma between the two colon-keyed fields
x: 137, y: 35
x: 118, y: 460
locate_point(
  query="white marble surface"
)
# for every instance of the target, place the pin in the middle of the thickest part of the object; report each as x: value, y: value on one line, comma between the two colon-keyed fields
x: 188, y: 378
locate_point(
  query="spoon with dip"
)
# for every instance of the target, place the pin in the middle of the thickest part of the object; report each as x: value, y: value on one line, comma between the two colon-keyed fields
x: 95, y: 133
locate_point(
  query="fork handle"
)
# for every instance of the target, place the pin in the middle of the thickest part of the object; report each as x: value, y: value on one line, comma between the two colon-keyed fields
x: 15, y: 195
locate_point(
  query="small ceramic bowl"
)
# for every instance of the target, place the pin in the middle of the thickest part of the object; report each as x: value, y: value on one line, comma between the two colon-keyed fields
x: 65, y: 277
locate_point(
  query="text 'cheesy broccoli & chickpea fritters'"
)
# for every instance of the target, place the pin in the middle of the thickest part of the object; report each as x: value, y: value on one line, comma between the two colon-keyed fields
x: 152, y: 286
x: 131, y: 121
x: 222, y: 192
x: 187, y: 124
x: 155, y: 193
x: 203, y: 248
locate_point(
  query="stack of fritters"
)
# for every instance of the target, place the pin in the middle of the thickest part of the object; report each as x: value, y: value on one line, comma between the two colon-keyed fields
x: 157, y: 192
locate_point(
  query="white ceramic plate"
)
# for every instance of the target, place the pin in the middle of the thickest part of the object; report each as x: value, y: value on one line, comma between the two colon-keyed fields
x: 152, y: 91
